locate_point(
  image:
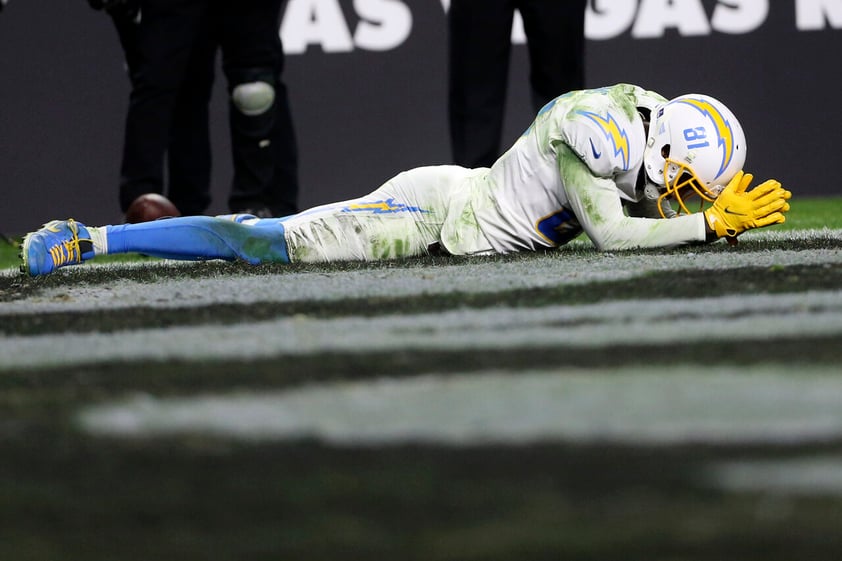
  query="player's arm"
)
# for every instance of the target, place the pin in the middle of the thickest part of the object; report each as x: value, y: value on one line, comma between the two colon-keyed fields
x: 596, y: 203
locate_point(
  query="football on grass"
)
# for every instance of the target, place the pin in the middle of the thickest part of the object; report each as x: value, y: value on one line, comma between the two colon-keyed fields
x: 150, y: 206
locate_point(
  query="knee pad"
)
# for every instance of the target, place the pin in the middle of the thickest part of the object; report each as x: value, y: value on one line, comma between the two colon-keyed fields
x: 253, y: 98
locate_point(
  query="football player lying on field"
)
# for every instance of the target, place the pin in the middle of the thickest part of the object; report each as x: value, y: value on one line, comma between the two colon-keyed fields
x: 620, y: 164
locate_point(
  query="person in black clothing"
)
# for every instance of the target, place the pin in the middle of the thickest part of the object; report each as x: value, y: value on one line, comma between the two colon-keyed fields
x: 188, y: 150
x: 479, y: 33
x: 263, y: 139
x: 173, y: 47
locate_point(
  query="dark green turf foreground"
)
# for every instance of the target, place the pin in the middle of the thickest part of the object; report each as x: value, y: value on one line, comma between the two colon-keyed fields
x: 68, y: 496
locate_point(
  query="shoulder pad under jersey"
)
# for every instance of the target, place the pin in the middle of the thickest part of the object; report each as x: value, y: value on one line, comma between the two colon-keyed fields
x: 606, y: 139
x: 605, y: 131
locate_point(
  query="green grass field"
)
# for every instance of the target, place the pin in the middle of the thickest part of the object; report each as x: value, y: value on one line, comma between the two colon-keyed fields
x: 652, y: 405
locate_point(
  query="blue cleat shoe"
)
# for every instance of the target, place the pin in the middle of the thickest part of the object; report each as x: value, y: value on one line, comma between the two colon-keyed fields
x: 58, y: 244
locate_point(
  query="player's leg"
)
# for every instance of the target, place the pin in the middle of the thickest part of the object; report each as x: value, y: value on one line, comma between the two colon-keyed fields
x: 201, y: 237
x: 67, y: 242
x: 401, y: 218
x: 404, y: 217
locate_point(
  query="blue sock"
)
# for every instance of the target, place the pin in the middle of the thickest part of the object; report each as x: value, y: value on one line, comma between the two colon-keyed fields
x: 202, y: 237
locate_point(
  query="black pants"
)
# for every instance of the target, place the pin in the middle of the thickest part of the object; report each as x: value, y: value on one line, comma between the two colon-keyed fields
x: 168, y: 36
x: 479, y: 51
x: 188, y: 151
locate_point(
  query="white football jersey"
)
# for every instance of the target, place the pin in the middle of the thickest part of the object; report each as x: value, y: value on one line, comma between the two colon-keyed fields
x: 570, y: 171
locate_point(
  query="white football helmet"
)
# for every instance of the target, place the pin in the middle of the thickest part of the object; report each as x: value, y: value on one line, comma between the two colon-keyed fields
x: 695, y: 146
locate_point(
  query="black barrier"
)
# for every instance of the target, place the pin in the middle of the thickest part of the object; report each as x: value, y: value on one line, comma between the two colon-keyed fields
x: 367, y: 80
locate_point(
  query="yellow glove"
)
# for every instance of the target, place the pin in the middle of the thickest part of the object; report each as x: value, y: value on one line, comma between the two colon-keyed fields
x: 736, y: 210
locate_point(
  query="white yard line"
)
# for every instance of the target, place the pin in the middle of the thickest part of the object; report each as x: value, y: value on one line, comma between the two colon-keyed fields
x: 653, y: 406
x: 474, y: 275
x: 708, y: 320
x: 817, y: 476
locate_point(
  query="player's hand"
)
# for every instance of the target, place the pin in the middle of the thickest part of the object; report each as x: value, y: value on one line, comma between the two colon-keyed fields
x: 738, y: 209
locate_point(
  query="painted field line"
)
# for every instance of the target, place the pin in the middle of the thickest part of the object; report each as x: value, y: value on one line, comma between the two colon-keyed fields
x: 650, y: 406
x: 472, y: 276
x: 634, y: 322
x: 817, y: 476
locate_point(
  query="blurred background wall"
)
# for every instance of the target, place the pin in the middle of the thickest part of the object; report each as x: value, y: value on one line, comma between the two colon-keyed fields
x: 368, y: 86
